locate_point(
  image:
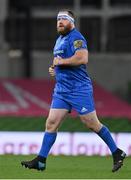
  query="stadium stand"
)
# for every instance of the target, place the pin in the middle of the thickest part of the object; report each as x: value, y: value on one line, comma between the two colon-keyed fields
x: 111, y: 26
x: 29, y: 35
x: 32, y: 98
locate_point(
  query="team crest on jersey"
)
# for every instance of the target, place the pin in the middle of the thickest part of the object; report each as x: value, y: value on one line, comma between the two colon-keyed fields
x: 78, y: 44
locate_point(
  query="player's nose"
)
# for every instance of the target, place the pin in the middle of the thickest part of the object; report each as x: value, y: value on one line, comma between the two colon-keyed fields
x: 60, y: 24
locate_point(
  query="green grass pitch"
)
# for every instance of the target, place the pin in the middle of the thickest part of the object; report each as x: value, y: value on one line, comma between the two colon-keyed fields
x: 64, y: 167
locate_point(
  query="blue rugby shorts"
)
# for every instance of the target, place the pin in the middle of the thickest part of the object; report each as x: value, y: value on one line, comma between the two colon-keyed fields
x: 82, y: 103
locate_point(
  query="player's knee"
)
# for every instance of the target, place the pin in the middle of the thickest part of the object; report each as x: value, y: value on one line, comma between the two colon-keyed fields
x: 51, y: 125
x: 92, y: 124
x: 89, y: 123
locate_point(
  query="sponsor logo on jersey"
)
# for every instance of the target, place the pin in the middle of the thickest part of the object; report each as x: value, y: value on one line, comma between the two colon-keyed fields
x: 78, y: 44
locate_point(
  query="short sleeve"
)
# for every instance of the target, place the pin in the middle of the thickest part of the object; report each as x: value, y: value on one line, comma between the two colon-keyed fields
x: 77, y: 43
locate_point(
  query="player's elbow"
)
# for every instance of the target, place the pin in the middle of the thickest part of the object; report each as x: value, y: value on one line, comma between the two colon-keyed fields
x: 84, y: 61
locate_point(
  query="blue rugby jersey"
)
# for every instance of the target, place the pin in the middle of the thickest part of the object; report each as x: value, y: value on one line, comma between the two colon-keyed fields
x: 71, y: 78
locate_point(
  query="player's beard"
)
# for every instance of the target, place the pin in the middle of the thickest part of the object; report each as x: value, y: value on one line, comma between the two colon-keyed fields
x: 64, y: 29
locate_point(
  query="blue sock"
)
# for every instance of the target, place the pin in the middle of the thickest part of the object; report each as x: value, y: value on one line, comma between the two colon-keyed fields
x: 105, y: 134
x: 48, y: 141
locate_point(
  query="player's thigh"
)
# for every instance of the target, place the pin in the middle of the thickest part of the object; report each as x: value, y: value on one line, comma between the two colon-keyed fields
x: 55, y: 118
x: 92, y: 116
x: 57, y: 115
x: 59, y: 109
x: 91, y: 120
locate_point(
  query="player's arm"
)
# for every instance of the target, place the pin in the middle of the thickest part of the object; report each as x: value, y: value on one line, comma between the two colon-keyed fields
x: 80, y: 57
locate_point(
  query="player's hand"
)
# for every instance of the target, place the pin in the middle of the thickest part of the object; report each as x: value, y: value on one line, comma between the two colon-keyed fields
x: 52, y: 71
x: 57, y: 61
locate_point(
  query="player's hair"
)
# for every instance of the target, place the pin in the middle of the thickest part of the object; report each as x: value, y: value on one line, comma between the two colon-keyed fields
x: 69, y: 12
